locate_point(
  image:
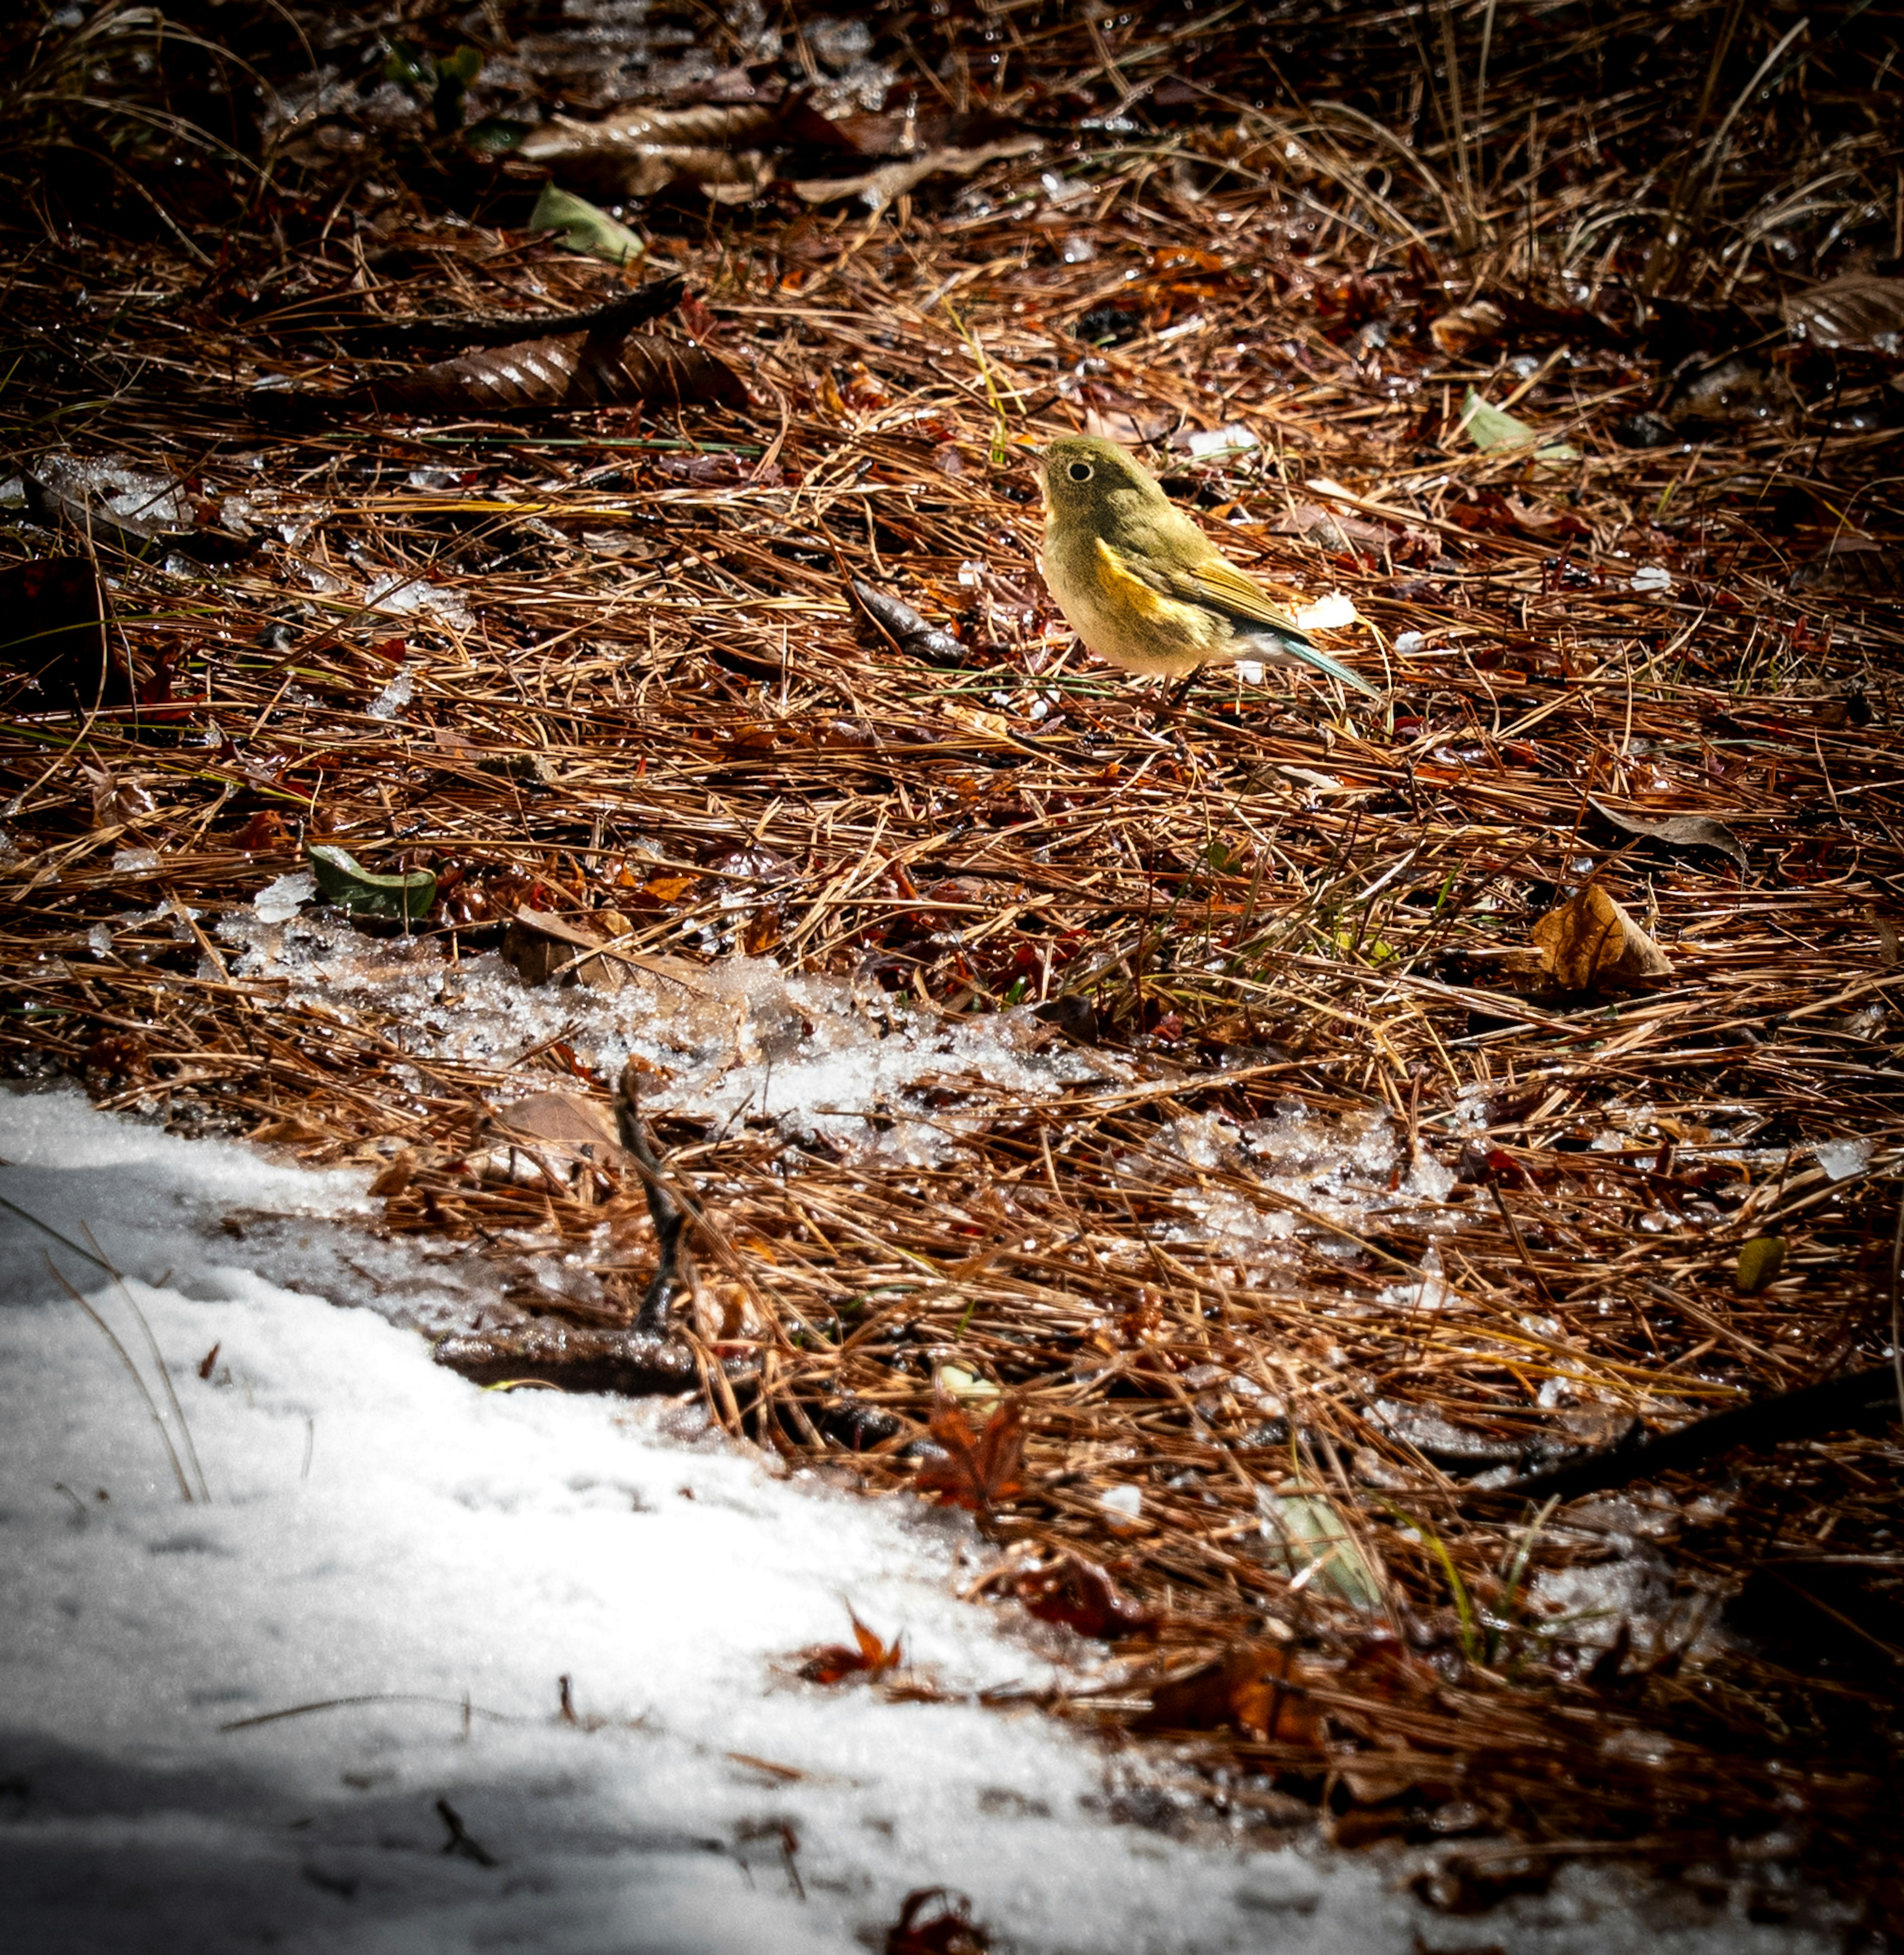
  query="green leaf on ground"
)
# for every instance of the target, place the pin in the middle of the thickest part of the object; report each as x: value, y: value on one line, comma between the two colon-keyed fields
x: 1304, y: 1531
x: 1759, y: 1261
x: 585, y: 229
x: 343, y: 880
x: 1490, y: 427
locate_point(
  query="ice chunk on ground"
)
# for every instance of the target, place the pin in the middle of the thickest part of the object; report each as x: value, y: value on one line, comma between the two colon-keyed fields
x: 1843, y: 1159
x: 1328, y: 614
x: 416, y: 595
x: 393, y: 697
x: 1234, y: 439
x: 134, y: 495
x: 279, y: 902
x: 821, y: 1055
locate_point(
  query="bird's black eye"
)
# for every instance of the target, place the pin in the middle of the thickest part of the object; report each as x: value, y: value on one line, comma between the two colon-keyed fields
x: 1079, y: 471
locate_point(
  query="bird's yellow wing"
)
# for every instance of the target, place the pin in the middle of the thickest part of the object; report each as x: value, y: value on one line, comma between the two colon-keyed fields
x: 1132, y: 583
x: 1215, y: 582
x: 1152, y: 590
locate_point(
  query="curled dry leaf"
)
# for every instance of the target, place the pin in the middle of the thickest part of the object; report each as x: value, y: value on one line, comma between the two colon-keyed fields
x: 907, y: 628
x: 398, y: 1176
x: 975, y: 1470
x: 1859, y: 312
x: 1081, y: 1595
x: 566, y: 371
x: 868, y: 1656
x: 1259, y: 1690
x: 950, y: 1931
x: 1677, y: 831
x: 1591, y: 941
x: 877, y: 188
x: 265, y: 831
x: 641, y: 151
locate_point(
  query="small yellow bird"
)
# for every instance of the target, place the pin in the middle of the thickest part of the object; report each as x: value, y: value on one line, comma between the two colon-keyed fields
x: 1143, y: 586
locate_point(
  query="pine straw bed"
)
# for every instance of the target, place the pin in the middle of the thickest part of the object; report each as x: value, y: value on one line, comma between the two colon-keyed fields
x: 636, y: 681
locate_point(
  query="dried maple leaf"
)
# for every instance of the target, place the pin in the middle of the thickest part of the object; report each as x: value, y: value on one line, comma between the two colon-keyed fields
x: 1081, y: 1595
x: 833, y: 1662
x: 977, y: 1471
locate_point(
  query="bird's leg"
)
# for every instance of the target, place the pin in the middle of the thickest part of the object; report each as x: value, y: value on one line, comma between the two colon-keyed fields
x: 1169, y: 707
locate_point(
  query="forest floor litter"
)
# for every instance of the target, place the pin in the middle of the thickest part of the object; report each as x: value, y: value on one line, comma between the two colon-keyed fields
x: 526, y: 641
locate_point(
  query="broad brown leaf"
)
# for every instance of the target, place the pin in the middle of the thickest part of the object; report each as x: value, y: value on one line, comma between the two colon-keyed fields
x: 572, y: 370
x: 1258, y: 1689
x: 1857, y: 312
x: 1591, y: 940
x: 1677, y: 831
x: 978, y: 1470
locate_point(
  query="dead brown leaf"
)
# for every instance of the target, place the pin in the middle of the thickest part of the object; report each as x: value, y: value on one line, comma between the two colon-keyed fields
x: 538, y: 946
x: 1858, y: 313
x: 1678, y: 831
x: 571, y: 371
x: 977, y: 1471
x: 398, y: 1176
x: 1258, y: 1690
x: 1081, y: 1595
x: 1460, y: 332
x: 1591, y: 941
x: 558, y: 1124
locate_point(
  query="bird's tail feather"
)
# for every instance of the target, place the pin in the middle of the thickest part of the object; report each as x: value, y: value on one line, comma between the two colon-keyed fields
x: 1323, y: 662
x: 1291, y: 648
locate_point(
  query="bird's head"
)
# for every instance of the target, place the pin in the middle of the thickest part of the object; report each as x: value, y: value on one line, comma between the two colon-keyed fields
x: 1088, y: 478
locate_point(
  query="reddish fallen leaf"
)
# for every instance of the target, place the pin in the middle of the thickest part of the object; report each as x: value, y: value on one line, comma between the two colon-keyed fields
x: 951, y: 1931
x: 977, y: 1470
x: 265, y: 831
x: 1081, y: 1595
x: 1258, y: 1690
x: 571, y: 371
x: 834, y: 1662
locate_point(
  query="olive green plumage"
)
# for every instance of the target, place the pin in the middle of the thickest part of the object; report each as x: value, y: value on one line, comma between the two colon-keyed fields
x: 1142, y: 585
